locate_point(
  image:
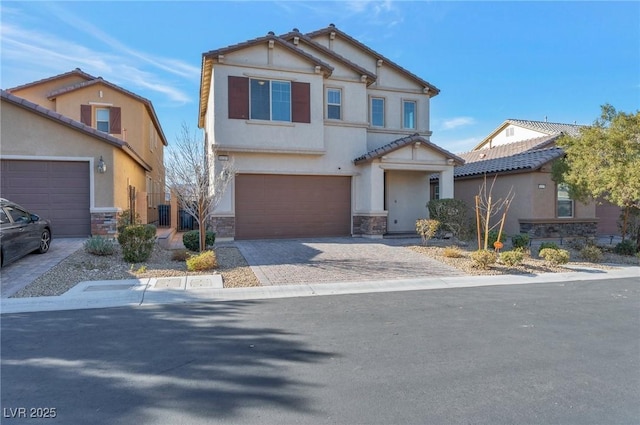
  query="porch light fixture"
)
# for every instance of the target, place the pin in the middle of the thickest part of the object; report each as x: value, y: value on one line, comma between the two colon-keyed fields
x: 102, y: 167
x: 542, y: 186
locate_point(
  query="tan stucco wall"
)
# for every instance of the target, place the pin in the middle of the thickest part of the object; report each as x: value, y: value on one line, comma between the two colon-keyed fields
x: 25, y: 134
x: 530, y: 201
x: 39, y: 93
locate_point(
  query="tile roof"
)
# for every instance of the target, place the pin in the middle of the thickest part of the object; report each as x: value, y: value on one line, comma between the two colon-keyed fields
x: 332, y: 28
x: 100, y: 80
x: 402, y: 142
x: 77, y: 72
x: 525, y: 161
x: 290, y: 36
x: 509, y: 149
x: 548, y: 127
x: 76, y: 125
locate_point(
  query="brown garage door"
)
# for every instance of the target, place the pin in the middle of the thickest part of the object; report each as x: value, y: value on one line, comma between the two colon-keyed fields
x: 57, y: 190
x: 285, y: 206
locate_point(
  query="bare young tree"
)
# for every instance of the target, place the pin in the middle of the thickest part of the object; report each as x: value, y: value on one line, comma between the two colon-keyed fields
x: 192, y: 179
x: 488, y: 207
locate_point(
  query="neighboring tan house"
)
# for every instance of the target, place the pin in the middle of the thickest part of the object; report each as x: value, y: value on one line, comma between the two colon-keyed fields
x: 520, y: 153
x: 327, y: 138
x: 56, y: 135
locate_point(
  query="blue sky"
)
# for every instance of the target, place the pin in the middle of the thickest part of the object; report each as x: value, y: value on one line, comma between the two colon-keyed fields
x: 491, y: 60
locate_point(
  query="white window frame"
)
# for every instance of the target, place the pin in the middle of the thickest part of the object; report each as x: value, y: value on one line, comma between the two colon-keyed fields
x: 270, y: 82
x: 384, y: 115
x: 98, y: 110
x: 339, y: 105
x: 562, y: 187
x: 509, y: 132
x: 415, y: 113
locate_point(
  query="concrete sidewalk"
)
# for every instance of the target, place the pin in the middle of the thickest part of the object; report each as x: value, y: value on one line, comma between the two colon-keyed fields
x: 150, y: 291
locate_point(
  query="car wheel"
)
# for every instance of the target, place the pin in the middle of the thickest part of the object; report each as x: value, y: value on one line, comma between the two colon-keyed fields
x: 45, y: 241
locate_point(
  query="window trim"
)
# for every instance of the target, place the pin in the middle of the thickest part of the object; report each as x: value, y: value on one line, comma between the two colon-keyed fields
x: 108, y: 111
x: 415, y: 114
x: 328, y: 103
x: 384, y: 115
x: 564, y: 188
x: 271, y: 100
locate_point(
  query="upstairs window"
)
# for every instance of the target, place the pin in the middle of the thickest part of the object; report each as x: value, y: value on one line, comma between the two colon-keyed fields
x: 102, y: 119
x: 270, y: 100
x: 334, y: 104
x: 564, y: 202
x: 408, y: 114
x: 510, y: 131
x: 377, y: 112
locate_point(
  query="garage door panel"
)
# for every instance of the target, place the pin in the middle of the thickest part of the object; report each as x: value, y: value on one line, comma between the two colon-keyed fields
x: 288, y: 206
x: 57, y: 190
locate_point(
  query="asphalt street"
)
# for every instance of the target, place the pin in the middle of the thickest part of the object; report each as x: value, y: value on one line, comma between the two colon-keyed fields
x: 548, y: 353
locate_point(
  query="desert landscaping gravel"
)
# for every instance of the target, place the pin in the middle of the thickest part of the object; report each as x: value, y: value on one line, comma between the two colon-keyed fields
x: 82, y: 266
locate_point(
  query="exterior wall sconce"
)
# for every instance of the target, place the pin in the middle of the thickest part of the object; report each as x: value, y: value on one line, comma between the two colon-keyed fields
x: 102, y: 167
x: 542, y: 186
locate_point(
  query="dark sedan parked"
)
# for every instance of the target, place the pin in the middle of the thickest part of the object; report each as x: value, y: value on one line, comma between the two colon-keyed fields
x: 21, y: 232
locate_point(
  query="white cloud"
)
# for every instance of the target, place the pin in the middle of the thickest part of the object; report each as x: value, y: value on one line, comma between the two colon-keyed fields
x: 452, y: 123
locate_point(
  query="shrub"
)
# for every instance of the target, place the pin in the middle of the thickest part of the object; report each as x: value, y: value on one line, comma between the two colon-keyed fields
x: 191, y: 239
x: 427, y: 228
x: 555, y: 256
x: 124, y: 220
x: 493, y: 238
x: 99, y: 245
x: 483, y: 258
x: 591, y: 253
x: 520, y: 240
x: 512, y: 258
x: 550, y: 245
x: 137, y: 242
x: 180, y: 255
x: 626, y: 247
x: 452, y: 215
x: 452, y: 252
x: 206, y: 260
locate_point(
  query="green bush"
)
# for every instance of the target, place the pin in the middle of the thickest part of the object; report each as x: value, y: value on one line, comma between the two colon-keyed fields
x: 591, y: 253
x: 520, y: 240
x: 124, y: 220
x: 137, y: 242
x: 493, y: 238
x: 626, y: 247
x: 483, y: 258
x: 550, y: 245
x: 555, y: 256
x: 191, y: 239
x: 99, y: 245
x: 452, y: 215
x: 206, y: 260
x: 427, y: 228
x: 512, y: 258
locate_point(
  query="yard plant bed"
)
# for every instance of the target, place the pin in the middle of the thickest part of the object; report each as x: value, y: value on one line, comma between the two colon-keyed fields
x: 82, y: 266
x: 530, y: 264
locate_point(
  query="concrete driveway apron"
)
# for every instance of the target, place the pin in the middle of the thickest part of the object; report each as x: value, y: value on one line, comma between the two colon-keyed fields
x: 296, y: 261
x: 17, y: 275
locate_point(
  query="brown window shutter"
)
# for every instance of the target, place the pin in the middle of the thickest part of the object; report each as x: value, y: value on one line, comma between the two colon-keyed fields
x: 300, y: 102
x: 85, y: 114
x: 238, y: 97
x: 115, y: 120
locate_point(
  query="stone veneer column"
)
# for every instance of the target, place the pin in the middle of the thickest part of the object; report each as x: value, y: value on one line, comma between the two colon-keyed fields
x: 225, y: 227
x: 104, y: 224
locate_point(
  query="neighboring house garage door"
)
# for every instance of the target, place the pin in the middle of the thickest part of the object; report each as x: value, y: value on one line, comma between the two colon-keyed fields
x: 285, y: 206
x: 57, y: 190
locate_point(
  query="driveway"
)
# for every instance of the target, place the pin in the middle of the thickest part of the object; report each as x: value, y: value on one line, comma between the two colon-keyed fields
x: 19, y: 274
x: 296, y: 261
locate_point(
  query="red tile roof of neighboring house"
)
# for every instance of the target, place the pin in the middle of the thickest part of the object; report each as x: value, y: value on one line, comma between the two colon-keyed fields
x: 331, y: 28
x: 402, y: 142
x: 76, y: 125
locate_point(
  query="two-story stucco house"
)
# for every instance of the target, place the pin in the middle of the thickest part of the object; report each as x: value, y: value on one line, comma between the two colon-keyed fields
x: 327, y: 137
x: 79, y: 150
